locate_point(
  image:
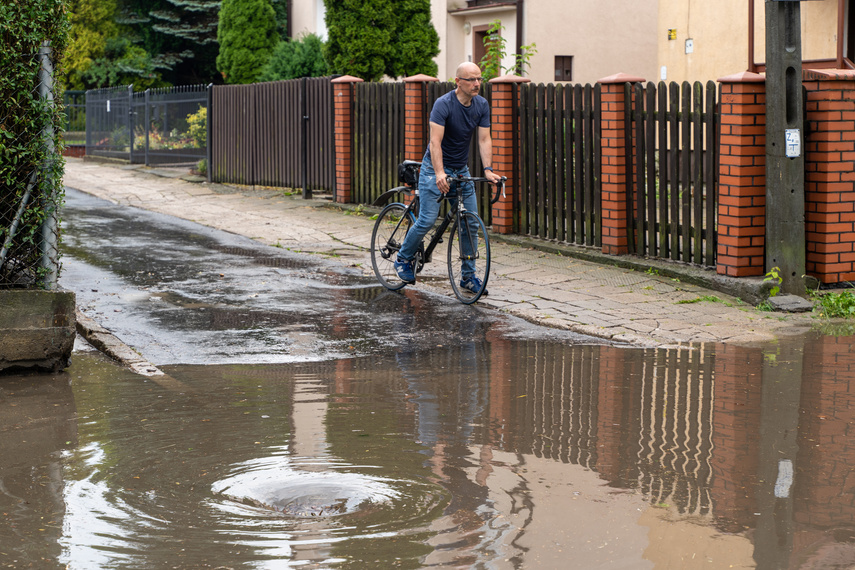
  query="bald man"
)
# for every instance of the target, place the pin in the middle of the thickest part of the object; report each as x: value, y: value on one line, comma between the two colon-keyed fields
x: 453, y: 120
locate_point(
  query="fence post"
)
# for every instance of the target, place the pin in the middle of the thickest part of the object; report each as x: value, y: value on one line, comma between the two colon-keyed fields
x: 615, y: 164
x: 742, y: 176
x: 343, y: 88
x: 209, y: 119
x: 416, y: 115
x: 50, y: 244
x: 504, y: 103
x: 131, y: 123
x: 147, y: 124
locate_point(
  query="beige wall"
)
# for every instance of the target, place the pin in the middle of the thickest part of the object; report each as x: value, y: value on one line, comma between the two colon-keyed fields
x: 719, y: 31
x: 307, y: 16
x: 603, y: 36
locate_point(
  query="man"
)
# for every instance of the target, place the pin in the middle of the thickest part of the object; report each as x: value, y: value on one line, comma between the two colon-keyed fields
x: 453, y: 120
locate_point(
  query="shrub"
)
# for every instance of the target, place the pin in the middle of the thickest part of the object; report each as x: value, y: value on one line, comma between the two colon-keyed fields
x: 26, y: 118
x: 297, y: 58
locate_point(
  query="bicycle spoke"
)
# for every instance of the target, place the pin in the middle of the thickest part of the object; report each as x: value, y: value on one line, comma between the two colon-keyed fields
x: 469, y: 258
x: 390, y: 229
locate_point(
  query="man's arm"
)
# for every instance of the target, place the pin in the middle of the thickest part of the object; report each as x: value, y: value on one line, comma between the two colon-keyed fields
x: 437, y: 131
x: 485, y: 147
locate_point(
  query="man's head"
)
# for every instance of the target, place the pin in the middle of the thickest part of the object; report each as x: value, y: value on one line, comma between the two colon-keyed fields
x: 468, y: 78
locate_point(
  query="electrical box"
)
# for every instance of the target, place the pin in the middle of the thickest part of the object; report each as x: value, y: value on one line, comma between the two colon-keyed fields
x: 690, y: 45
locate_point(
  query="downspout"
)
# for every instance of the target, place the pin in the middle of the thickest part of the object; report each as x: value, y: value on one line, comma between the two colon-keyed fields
x: 520, y: 69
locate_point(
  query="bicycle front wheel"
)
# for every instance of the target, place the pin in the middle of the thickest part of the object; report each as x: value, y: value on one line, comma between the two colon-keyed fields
x: 391, y: 227
x: 469, y: 258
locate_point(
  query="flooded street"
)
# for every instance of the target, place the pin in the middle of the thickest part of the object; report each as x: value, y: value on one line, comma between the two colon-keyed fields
x: 309, y: 419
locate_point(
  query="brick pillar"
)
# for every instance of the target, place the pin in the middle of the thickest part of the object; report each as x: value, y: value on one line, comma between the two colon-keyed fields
x: 615, y: 163
x: 742, y: 176
x: 505, y: 99
x: 343, y: 129
x: 416, y: 114
x: 829, y: 147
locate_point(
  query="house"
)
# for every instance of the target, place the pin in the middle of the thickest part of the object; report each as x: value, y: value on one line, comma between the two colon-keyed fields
x: 582, y: 41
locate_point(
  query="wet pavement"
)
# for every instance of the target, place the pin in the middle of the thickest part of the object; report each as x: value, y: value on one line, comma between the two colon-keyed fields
x: 645, y: 302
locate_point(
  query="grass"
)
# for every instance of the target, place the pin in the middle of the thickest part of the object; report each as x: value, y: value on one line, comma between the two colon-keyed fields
x: 836, y: 305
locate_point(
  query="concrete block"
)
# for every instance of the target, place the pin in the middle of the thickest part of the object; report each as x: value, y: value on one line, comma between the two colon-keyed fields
x: 37, y: 329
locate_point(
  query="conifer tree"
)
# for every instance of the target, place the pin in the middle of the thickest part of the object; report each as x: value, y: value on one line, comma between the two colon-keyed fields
x: 297, y: 58
x: 247, y: 35
x: 370, y: 38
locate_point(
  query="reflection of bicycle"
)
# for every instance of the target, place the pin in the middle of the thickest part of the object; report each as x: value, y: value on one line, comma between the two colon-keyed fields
x: 468, y: 244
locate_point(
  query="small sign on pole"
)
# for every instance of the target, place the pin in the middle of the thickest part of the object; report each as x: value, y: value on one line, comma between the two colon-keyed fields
x: 794, y: 144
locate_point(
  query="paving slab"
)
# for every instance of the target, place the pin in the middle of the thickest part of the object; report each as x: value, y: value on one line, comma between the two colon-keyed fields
x: 625, y: 298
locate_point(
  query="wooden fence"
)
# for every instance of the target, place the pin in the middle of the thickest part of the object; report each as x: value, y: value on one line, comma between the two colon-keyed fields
x: 674, y: 135
x: 559, y: 139
x: 378, y: 141
x: 274, y: 134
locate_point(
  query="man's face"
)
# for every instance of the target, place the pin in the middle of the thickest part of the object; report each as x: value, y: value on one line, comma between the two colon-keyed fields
x: 469, y: 81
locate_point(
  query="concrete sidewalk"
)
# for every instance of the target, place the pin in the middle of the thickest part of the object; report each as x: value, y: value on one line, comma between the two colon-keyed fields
x: 626, y: 299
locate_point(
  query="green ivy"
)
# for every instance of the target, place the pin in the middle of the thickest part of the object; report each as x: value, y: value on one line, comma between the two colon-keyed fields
x: 25, y: 117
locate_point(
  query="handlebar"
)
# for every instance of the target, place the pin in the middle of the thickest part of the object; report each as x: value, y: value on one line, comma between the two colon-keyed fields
x: 500, y: 185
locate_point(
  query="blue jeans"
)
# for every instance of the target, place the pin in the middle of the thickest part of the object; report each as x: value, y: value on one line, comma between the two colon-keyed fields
x: 429, y: 211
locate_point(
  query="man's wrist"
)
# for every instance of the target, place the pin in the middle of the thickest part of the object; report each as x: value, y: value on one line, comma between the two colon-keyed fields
x: 490, y: 168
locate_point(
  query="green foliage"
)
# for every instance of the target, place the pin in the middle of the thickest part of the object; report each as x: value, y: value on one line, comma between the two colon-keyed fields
x: 26, y: 122
x: 774, y: 276
x: 247, y: 36
x: 92, y: 23
x: 197, y: 129
x: 837, y: 305
x: 179, y: 35
x: 373, y: 38
x: 293, y: 59
x: 123, y: 63
x: 494, y: 44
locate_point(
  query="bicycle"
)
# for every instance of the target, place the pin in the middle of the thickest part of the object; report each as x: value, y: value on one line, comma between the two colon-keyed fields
x: 468, y: 243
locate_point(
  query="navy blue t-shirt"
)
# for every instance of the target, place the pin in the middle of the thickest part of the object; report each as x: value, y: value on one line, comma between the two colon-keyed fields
x: 459, y: 122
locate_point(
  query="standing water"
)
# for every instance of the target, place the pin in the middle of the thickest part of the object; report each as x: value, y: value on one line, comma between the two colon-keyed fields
x: 501, y: 452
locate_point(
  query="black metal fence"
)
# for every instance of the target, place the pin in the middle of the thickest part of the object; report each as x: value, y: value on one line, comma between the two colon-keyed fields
x: 673, y: 194
x: 74, y: 103
x: 109, y: 122
x: 170, y: 125
x: 156, y: 126
x: 274, y: 134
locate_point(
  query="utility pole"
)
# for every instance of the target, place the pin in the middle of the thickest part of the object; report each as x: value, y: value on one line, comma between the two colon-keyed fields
x: 785, y: 165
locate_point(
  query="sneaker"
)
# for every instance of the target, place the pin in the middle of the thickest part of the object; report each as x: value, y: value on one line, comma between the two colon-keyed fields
x: 405, y: 270
x: 473, y: 284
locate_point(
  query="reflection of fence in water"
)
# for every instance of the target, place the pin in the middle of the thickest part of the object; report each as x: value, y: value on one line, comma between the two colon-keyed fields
x: 675, y: 429
x: 557, y: 413
x: 659, y: 437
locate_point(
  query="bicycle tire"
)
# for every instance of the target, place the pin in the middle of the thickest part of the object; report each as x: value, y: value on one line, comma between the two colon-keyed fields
x: 386, y: 239
x: 468, y: 241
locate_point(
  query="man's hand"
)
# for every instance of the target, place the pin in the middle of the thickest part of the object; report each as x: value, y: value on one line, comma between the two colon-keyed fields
x: 492, y: 176
x: 442, y: 182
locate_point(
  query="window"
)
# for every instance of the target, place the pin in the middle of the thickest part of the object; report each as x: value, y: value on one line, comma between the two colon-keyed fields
x: 563, y: 68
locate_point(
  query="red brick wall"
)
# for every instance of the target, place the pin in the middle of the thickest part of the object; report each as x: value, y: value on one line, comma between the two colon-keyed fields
x: 742, y: 176
x: 504, y: 104
x: 614, y: 160
x: 343, y: 95
x: 830, y: 175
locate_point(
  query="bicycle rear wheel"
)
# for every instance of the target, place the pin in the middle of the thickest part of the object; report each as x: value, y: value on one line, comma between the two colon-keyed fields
x: 391, y: 227
x: 469, y: 258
